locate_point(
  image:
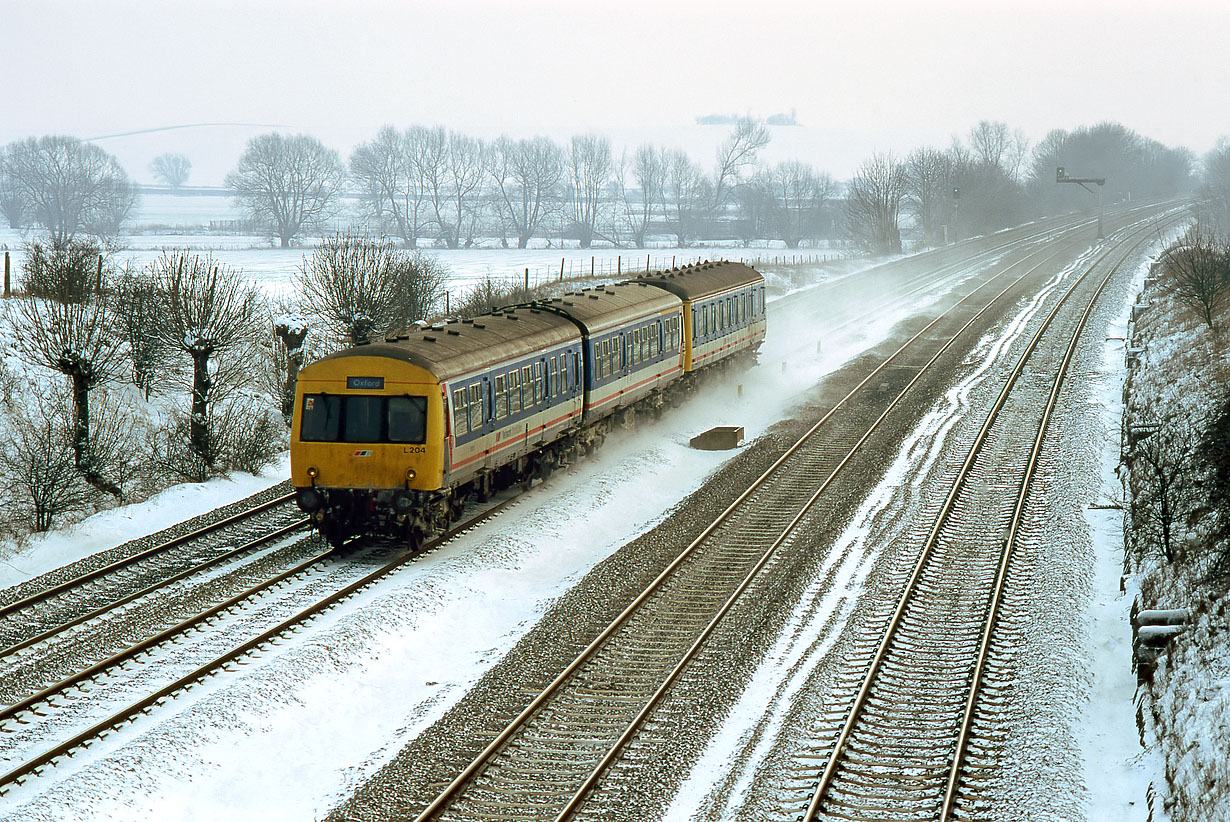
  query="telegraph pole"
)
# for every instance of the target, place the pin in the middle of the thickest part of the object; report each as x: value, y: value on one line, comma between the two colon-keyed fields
x: 1062, y: 177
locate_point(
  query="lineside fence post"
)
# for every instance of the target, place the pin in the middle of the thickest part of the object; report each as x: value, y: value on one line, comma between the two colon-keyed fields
x: 7, y: 283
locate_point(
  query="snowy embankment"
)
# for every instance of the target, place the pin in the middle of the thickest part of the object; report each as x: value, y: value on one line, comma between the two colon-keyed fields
x: 1181, y: 380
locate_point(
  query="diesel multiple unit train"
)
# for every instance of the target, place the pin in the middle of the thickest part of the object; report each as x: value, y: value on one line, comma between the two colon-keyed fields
x: 392, y: 437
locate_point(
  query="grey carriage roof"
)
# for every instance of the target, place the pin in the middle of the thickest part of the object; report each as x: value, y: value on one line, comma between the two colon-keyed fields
x: 697, y: 282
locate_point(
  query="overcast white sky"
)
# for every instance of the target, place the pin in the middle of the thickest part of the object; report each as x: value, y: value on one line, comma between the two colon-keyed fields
x: 881, y: 75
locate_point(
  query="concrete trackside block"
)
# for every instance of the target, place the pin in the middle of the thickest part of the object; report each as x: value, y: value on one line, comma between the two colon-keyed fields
x: 722, y: 438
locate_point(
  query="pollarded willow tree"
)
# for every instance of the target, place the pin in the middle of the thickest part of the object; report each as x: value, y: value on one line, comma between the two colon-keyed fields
x: 207, y: 309
x: 71, y: 329
x: 359, y: 286
x: 287, y: 183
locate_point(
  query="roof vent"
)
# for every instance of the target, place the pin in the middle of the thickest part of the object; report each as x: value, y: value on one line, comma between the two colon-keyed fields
x: 593, y: 296
x: 454, y: 332
x: 428, y: 338
x: 480, y: 325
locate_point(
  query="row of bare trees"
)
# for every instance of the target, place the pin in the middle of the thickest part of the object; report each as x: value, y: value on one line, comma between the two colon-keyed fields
x: 430, y: 184
x: 992, y: 180
x: 184, y: 321
x: 433, y: 185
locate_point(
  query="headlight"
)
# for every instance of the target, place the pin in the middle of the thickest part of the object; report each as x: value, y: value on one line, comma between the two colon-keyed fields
x: 313, y: 472
x: 308, y: 500
x: 411, y: 473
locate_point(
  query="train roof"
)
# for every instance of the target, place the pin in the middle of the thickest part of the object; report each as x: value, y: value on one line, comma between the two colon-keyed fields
x: 702, y: 280
x: 456, y: 348
x: 611, y: 306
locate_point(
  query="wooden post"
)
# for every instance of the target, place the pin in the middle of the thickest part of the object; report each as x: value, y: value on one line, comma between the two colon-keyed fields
x: 8, y: 286
x: 646, y: 263
x: 446, y: 311
x: 619, y: 266
x: 561, y: 269
x: 591, y: 266
x: 527, y: 279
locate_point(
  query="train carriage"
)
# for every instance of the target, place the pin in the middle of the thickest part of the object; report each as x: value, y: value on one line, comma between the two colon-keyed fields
x: 632, y: 342
x: 723, y: 310
x: 486, y: 395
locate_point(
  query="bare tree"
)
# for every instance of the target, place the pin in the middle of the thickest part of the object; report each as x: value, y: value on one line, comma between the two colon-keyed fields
x: 590, y: 165
x: 207, y: 309
x: 389, y: 170
x: 36, y: 455
x: 931, y: 192
x: 12, y: 205
x: 526, y: 175
x: 873, y: 204
x: 453, y: 168
x: 359, y: 286
x: 287, y: 183
x: 648, y: 170
x: 687, y: 192
x: 75, y: 337
x: 68, y: 186
x: 1214, y: 187
x: 172, y: 169
x: 736, y: 154
x: 136, y: 322
x: 796, y: 192
x: 65, y: 270
x: 1199, y: 271
x: 1162, y: 456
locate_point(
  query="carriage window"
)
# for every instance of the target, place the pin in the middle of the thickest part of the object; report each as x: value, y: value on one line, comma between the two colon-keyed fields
x: 460, y: 415
x: 602, y: 350
x: 527, y: 387
x: 407, y: 419
x: 514, y: 391
x: 321, y: 415
x: 653, y: 340
x: 538, y: 382
x: 501, y: 397
x: 476, y: 407
x: 555, y: 376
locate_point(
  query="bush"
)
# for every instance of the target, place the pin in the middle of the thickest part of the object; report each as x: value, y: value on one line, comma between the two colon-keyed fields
x: 67, y: 271
x: 252, y: 437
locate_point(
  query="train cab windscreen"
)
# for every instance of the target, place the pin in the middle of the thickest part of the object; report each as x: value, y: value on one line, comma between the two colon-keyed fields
x: 363, y: 418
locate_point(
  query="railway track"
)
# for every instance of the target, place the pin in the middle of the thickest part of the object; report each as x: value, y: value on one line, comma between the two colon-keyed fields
x: 60, y: 605
x: 901, y: 751
x: 582, y: 726
x: 55, y: 720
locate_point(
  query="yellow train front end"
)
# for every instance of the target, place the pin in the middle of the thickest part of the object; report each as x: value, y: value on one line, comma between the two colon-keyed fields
x: 368, y: 445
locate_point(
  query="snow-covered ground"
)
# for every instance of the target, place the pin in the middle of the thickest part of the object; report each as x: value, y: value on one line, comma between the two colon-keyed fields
x: 289, y: 735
